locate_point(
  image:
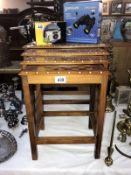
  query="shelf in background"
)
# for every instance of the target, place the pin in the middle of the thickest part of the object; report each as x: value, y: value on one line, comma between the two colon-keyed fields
x: 118, y: 15
x: 13, y: 69
x: 16, y: 48
x: 121, y: 44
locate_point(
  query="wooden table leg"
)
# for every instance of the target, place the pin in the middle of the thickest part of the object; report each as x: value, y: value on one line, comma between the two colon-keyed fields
x: 39, y: 100
x: 30, y: 116
x: 100, y: 117
x: 92, y: 102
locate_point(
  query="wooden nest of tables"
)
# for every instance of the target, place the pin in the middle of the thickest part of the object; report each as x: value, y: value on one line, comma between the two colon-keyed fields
x: 59, y: 65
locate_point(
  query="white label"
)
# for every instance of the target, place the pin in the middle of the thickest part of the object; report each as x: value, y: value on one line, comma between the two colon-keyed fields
x: 60, y: 79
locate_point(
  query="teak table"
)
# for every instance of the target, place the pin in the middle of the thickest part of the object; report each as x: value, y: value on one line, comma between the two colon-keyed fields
x: 60, y: 65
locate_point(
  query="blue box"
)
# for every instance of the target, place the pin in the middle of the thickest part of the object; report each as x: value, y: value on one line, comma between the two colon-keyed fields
x: 83, y: 19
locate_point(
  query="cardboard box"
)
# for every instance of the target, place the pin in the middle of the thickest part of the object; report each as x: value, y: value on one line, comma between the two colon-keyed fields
x: 83, y: 19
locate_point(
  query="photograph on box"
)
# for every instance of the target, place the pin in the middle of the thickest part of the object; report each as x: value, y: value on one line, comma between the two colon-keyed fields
x: 83, y: 21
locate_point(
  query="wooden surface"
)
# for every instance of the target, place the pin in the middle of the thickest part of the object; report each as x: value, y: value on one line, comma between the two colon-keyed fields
x: 65, y: 55
x: 65, y: 52
x: 122, y: 62
x: 121, y: 44
x: 70, y: 79
x: 66, y: 140
x: 65, y: 45
x: 66, y: 60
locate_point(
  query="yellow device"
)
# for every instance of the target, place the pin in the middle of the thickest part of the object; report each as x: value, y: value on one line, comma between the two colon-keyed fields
x: 39, y: 28
x: 50, y: 32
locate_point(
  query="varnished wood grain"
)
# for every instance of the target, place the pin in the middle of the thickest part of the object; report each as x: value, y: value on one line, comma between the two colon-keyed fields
x: 45, y: 53
x: 70, y: 79
x: 66, y: 140
x: 30, y: 116
x: 66, y: 46
x: 66, y: 113
x: 65, y: 92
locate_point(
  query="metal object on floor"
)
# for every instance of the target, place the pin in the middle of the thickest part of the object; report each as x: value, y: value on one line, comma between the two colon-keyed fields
x: 122, y: 153
x: 12, y: 118
x: 122, y: 136
x: 124, y: 126
x: 2, y: 108
x: 8, y: 94
x: 23, y: 132
x: 15, y: 82
x: 108, y: 159
x: 24, y: 120
x: 109, y: 105
x: 16, y: 103
x: 122, y: 116
x: 128, y: 110
x: 8, y: 145
x: 3, y: 88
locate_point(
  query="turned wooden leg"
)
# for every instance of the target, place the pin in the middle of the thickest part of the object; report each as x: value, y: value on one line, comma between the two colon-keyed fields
x: 100, y: 117
x: 30, y: 116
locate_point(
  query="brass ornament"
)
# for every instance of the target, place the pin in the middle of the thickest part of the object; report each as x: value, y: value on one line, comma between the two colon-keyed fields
x: 108, y: 159
x: 109, y: 105
x: 124, y: 126
x: 128, y: 110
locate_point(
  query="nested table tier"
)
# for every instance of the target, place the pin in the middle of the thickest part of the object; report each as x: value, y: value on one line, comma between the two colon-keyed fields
x: 81, y: 74
x: 35, y: 113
